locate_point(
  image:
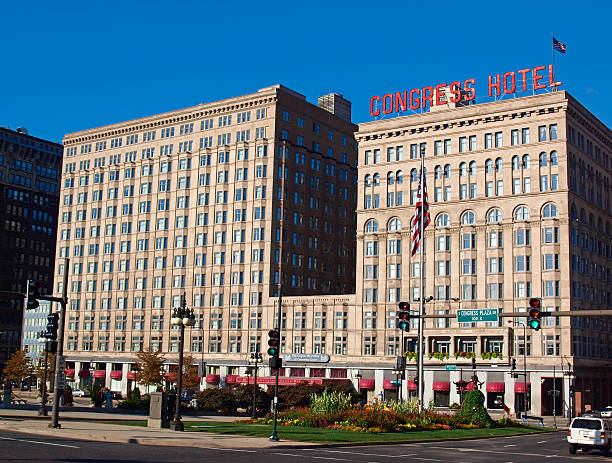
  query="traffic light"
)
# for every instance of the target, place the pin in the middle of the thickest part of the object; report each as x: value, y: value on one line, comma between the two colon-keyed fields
x: 473, y: 363
x: 400, y: 363
x: 32, y: 295
x: 273, y: 343
x: 52, y: 325
x: 571, y: 390
x: 535, y: 316
x: 513, y: 367
x: 403, y: 316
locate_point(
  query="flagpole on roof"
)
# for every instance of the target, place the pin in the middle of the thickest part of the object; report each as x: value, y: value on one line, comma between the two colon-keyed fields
x: 420, y: 385
x: 552, y: 50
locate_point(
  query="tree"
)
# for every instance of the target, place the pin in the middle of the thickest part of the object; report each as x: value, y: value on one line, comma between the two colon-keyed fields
x: 473, y: 410
x: 149, y: 367
x: 190, y: 373
x: 18, y: 366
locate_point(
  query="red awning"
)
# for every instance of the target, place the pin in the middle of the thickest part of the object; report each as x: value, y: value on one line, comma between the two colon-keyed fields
x: 131, y: 375
x: 213, y: 379
x: 441, y: 386
x: 171, y: 376
x: 116, y: 374
x: 99, y: 374
x: 84, y: 373
x: 286, y: 381
x: 411, y: 386
x: 388, y: 384
x: 231, y: 379
x: 69, y: 372
x: 520, y: 387
x: 367, y: 383
x: 496, y: 387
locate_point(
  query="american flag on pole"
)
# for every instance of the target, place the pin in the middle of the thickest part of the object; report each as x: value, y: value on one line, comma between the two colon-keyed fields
x: 416, y: 221
x: 559, y: 46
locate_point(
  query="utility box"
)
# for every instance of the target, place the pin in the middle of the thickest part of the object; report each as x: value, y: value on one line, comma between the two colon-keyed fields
x: 158, y: 410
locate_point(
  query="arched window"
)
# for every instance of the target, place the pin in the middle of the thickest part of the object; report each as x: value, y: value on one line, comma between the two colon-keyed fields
x: 368, y: 180
x: 526, y: 161
x: 442, y: 220
x: 438, y: 172
x: 499, y: 164
x: 395, y: 225
x: 573, y: 214
x: 390, y: 178
x: 376, y: 179
x: 473, y: 168
x: 399, y: 176
x: 489, y: 166
x: 467, y: 218
x: 543, y: 160
x: 414, y: 176
x: 494, y: 216
x: 521, y: 213
x: 553, y: 158
x: 549, y: 210
x: 582, y: 216
x: 371, y: 226
x: 516, y: 164
x: 462, y: 169
x: 447, y: 172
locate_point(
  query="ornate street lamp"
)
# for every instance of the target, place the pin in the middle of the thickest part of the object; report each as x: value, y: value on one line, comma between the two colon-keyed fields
x: 257, y: 358
x: 181, y: 316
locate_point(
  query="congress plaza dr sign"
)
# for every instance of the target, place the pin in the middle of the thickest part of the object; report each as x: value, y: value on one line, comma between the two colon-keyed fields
x: 507, y: 83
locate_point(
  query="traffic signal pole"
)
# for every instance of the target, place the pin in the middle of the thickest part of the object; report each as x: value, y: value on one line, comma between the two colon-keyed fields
x: 59, y: 357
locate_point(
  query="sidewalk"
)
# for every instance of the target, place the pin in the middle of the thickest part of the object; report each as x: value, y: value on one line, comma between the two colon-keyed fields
x: 76, y: 425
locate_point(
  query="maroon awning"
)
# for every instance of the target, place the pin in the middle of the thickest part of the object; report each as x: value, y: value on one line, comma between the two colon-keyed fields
x: 116, y: 374
x: 441, y: 386
x: 496, y: 387
x: 69, y: 372
x: 520, y: 387
x: 367, y: 383
x: 230, y: 379
x: 131, y: 375
x: 388, y: 384
x: 411, y: 386
x: 213, y: 379
x: 99, y: 374
x: 84, y: 373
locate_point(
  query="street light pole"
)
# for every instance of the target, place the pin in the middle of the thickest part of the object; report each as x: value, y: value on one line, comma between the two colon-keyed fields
x: 256, y: 357
x: 43, y: 387
x: 182, y: 317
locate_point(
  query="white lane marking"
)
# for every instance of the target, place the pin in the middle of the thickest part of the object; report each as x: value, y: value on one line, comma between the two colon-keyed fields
x: 495, y: 451
x: 510, y: 445
x: 231, y: 450
x: 541, y: 442
x: 367, y: 454
x: 42, y: 443
x: 310, y: 456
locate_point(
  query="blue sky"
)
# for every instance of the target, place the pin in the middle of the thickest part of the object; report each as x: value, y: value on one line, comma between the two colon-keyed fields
x: 71, y: 65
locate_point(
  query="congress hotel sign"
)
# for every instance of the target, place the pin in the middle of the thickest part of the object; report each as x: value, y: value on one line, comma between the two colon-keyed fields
x: 538, y: 77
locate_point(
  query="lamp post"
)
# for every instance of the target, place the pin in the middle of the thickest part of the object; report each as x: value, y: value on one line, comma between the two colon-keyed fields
x: 43, y: 388
x: 524, y: 325
x: 181, y: 316
x: 255, y: 357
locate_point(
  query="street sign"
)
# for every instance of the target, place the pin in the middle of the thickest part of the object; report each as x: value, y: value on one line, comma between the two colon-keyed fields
x: 307, y: 358
x: 61, y: 381
x: 477, y: 315
x: 451, y: 367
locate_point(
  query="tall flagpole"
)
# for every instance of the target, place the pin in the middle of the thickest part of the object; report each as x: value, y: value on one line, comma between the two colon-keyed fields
x: 421, y: 295
x: 552, y: 49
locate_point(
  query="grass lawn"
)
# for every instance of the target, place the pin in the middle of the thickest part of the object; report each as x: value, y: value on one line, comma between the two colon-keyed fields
x: 331, y: 436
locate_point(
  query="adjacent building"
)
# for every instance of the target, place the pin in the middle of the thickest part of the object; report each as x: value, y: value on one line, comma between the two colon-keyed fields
x: 217, y: 202
x: 29, y: 190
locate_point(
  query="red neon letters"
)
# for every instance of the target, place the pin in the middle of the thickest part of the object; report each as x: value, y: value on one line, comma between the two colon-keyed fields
x: 505, y: 83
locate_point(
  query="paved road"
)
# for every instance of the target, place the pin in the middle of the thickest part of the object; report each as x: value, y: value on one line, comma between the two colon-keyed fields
x: 18, y: 447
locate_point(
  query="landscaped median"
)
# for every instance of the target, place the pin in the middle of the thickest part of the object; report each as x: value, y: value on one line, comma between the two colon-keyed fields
x: 333, y: 418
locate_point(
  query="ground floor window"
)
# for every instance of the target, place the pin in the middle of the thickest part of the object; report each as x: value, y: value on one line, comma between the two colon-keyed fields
x: 495, y: 400
x: 441, y: 398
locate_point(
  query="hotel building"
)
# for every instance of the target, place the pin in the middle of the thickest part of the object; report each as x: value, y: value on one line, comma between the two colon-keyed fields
x: 30, y: 170
x: 215, y: 202
x: 519, y: 195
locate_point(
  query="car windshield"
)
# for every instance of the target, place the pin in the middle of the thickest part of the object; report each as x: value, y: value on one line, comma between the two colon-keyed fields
x: 586, y: 424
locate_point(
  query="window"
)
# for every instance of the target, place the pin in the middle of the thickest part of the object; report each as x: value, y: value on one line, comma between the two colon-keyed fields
x: 521, y: 213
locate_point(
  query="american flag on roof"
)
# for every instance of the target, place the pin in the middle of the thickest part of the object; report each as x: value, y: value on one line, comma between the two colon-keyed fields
x: 416, y: 221
x: 559, y: 46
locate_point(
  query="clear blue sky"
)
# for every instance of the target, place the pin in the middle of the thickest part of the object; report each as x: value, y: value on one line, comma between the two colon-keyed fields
x: 68, y: 66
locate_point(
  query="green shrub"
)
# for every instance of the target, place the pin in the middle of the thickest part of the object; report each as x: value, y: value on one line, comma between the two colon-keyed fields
x: 243, y: 395
x: 135, y: 403
x: 216, y: 400
x: 473, y: 410
x: 404, y: 408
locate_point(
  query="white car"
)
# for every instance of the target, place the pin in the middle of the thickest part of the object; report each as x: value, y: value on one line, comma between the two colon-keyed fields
x: 589, y: 433
x: 78, y: 393
x: 607, y: 412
